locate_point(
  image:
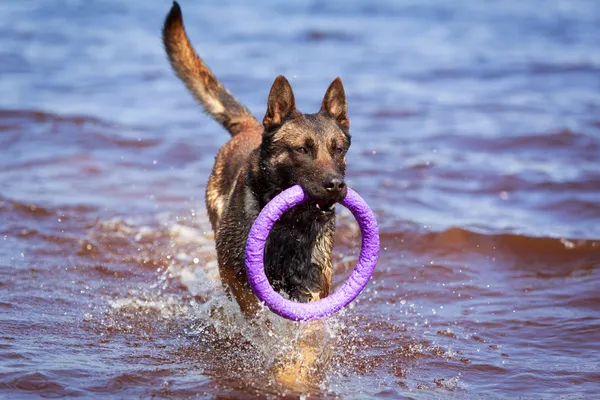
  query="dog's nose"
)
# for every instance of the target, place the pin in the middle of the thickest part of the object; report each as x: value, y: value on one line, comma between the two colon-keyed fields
x: 334, y: 184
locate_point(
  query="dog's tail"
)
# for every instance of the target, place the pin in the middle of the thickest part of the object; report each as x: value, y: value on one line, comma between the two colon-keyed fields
x: 199, y: 79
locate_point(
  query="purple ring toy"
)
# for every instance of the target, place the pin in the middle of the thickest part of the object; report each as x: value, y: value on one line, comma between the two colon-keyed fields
x: 255, y: 248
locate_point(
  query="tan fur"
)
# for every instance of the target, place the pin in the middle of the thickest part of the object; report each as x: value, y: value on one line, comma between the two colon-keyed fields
x: 248, y: 173
x: 220, y: 183
x: 200, y: 80
x: 322, y: 256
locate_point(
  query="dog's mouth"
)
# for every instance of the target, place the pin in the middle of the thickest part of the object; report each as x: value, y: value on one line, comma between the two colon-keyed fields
x: 324, y: 206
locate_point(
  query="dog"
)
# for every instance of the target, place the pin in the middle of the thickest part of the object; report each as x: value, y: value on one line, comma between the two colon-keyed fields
x: 259, y: 162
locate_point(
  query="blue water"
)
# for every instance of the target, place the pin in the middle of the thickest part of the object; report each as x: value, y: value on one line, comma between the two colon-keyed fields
x: 476, y: 139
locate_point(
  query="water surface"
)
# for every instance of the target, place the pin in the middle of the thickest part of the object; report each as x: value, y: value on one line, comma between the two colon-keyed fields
x: 476, y: 140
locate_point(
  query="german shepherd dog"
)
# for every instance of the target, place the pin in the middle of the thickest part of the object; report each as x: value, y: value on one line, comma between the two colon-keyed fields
x: 261, y: 161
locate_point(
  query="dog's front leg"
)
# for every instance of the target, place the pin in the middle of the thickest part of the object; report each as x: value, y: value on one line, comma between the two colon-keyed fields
x: 237, y: 286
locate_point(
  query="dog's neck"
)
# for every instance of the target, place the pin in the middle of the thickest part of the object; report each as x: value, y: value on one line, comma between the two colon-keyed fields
x: 299, y: 245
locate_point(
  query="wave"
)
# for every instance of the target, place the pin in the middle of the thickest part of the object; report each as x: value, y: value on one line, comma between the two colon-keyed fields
x: 411, y: 236
x: 35, y: 210
x: 500, y: 71
x: 85, y: 131
x: 560, y: 140
x: 458, y: 241
x: 16, y: 116
x: 38, y: 384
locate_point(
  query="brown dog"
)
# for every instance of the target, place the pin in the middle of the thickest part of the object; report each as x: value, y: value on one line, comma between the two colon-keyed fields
x: 261, y: 161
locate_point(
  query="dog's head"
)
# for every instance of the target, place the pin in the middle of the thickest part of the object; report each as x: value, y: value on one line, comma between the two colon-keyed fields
x: 307, y: 149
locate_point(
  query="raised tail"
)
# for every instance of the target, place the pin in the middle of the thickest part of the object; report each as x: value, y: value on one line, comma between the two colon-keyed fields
x: 199, y: 79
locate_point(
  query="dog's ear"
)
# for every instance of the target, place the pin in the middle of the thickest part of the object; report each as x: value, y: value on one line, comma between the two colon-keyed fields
x: 335, y: 105
x: 281, y: 104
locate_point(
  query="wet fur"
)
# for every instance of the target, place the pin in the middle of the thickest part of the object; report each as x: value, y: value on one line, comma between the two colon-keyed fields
x: 261, y: 161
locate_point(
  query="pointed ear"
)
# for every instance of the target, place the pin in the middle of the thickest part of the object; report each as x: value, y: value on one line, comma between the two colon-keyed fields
x: 335, y: 105
x: 281, y: 104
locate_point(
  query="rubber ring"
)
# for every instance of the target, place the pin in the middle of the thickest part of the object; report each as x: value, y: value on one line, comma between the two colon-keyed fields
x: 348, y: 291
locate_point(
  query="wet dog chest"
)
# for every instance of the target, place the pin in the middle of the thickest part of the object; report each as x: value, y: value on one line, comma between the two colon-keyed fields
x: 289, y: 258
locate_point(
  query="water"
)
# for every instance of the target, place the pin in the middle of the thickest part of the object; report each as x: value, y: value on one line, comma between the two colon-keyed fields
x: 476, y: 140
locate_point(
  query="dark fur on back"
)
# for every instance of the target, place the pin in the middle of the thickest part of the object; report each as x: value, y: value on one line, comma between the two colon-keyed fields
x: 258, y: 163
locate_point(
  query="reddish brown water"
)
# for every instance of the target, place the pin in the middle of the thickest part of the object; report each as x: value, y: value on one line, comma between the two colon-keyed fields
x: 476, y: 141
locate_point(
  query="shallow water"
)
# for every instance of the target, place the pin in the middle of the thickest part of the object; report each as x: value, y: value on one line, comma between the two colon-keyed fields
x: 476, y: 140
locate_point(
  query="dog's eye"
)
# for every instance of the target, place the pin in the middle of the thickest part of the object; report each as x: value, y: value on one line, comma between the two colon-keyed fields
x: 339, y: 150
x: 301, y: 150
